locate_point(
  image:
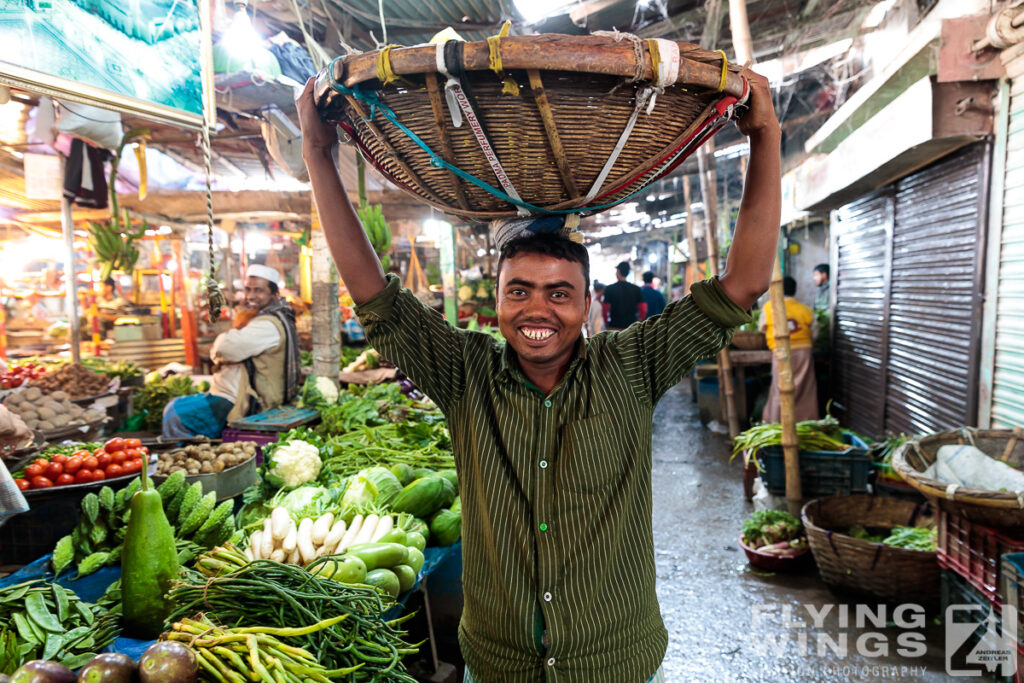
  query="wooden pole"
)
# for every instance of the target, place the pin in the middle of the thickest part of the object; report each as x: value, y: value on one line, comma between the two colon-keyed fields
x: 706, y: 164
x: 326, y: 311
x: 690, y: 239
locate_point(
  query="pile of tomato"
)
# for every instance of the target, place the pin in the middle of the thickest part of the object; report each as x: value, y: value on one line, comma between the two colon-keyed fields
x: 16, y: 375
x: 116, y: 458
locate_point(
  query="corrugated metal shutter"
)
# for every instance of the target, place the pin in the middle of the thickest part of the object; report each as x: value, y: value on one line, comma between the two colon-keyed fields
x: 934, y: 306
x: 1008, y: 378
x: 862, y: 238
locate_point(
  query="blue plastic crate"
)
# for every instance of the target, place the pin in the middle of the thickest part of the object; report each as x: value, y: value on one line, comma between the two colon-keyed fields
x: 822, y: 473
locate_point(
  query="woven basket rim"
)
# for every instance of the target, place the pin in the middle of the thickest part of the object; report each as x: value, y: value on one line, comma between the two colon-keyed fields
x: 811, y: 526
x: 549, y: 52
x: 933, y: 488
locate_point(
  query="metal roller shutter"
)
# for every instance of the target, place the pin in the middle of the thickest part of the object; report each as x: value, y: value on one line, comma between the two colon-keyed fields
x: 934, y: 307
x: 861, y: 241
x: 1008, y: 377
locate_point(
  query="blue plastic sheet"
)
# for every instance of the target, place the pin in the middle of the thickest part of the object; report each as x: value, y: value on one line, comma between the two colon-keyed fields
x: 91, y: 588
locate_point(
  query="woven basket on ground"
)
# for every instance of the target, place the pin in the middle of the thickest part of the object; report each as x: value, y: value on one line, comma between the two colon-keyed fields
x: 889, y: 573
x: 749, y: 340
x: 992, y: 508
x: 552, y: 109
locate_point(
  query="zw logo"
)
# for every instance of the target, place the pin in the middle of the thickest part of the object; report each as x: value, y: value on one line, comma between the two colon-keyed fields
x: 974, y: 646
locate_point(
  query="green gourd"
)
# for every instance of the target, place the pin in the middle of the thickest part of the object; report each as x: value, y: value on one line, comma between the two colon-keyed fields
x: 149, y: 562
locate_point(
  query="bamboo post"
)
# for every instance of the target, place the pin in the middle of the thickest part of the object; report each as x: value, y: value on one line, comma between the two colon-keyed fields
x: 706, y: 164
x: 189, y: 331
x: 690, y: 239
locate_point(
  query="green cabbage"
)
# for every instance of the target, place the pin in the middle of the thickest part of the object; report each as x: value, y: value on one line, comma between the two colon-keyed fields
x: 305, y: 501
x: 386, y: 483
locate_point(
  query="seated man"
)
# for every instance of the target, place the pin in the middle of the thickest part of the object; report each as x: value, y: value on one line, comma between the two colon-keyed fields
x: 257, y: 367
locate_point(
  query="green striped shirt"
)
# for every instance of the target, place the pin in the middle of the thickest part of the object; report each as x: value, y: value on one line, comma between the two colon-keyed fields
x: 558, y: 551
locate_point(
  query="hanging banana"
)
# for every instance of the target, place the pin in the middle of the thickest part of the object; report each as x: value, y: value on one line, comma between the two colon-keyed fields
x: 378, y: 231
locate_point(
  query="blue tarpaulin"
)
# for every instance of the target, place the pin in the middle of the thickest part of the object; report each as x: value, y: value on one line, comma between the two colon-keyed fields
x: 91, y: 588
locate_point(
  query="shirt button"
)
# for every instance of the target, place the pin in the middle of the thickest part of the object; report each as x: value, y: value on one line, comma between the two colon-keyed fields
x: 543, y: 464
x: 543, y: 526
x: 551, y: 662
x: 547, y: 404
x: 547, y: 597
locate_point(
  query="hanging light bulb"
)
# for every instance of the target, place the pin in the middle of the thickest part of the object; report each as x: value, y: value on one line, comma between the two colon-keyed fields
x: 241, y: 38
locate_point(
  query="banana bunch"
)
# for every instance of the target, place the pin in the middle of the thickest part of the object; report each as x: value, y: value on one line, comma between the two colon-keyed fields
x: 376, y: 227
x: 113, y: 244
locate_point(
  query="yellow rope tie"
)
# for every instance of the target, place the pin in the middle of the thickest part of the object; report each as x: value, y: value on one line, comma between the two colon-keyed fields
x: 384, y: 72
x: 570, y: 229
x: 725, y: 70
x: 509, y: 86
x: 652, y: 47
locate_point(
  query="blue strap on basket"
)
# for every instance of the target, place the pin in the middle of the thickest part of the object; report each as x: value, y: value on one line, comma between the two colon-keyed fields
x: 828, y: 535
x: 878, y: 554
x: 438, y: 161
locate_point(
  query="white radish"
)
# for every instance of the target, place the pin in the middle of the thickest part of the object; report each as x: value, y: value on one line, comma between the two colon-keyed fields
x: 384, y: 527
x: 305, y: 540
x: 334, y: 536
x: 322, y: 527
x: 291, y: 540
x: 256, y: 544
x: 278, y: 555
x: 294, y: 558
x: 248, y: 554
x: 279, y: 520
x: 350, y: 535
x: 268, y: 539
x: 366, y: 533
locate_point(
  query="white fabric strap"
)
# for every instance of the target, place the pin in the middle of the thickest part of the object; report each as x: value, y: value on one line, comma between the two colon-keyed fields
x: 641, y: 99
x: 951, y: 491
x: 668, y: 68
x: 449, y: 86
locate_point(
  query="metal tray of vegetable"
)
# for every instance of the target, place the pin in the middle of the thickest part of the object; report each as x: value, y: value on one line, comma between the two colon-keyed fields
x: 775, y: 540
x: 227, y: 469
x: 81, y: 466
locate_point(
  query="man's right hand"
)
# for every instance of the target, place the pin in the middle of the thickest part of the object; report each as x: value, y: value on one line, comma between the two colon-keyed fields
x: 317, y: 135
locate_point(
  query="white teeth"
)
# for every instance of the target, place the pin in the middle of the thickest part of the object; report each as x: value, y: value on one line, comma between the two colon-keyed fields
x: 537, y: 335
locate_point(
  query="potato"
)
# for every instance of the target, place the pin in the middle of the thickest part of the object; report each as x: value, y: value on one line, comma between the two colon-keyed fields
x: 44, y: 426
x: 33, y: 393
x: 59, y: 395
x: 60, y: 420
x: 205, y: 468
x: 31, y: 424
x: 28, y: 414
x: 218, y: 465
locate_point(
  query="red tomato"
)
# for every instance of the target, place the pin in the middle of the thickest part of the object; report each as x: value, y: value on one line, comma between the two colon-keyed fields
x: 99, y: 451
x: 34, y: 470
x: 119, y: 456
x: 53, y: 470
x: 130, y: 453
x: 90, y: 462
x: 29, y: 365
x: 114, y: 470
x: 83, y: 476
x: 22, y: 484
x: 41, y: 483
x: 99, y: 475
x: 17, y: 382
x: 82, y: 454
x: 6, y: 382
x: 103, y: 460
x: 59, y: 458
x: 115, y: 444
x: 73, y: 464
x: 64, y: 480
x: 41, y: 461
x: 132, y: 443
x: 144, y: 450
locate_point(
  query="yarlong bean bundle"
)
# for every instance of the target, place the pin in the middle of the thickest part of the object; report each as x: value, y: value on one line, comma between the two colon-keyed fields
x: 271, y: 594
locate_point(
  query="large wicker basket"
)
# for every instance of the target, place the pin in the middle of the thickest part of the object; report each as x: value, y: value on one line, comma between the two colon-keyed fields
x: 574, y: 97
x: 749, y: 340
x: 882, y: 571
x: 992, y: 508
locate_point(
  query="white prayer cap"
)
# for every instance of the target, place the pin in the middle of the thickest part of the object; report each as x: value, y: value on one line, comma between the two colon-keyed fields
x: 265, y: 272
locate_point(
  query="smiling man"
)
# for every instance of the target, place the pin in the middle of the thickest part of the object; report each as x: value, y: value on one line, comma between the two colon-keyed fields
x: 552, y: 431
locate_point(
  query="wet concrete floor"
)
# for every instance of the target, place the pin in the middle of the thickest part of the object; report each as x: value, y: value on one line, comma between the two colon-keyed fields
x: 729, y: 623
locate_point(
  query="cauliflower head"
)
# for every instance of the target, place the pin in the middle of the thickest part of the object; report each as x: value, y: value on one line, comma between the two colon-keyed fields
x: 294, y: 464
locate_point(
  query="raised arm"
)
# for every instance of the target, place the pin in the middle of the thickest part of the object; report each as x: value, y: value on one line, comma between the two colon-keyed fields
x: 749, y: 266
x: 357, y: 263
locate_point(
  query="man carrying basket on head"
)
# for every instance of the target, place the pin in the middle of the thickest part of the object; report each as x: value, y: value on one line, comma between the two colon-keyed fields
x: 551, y: 431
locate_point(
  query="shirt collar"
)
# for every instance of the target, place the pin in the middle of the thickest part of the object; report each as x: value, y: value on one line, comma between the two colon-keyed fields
x: 509, y: 370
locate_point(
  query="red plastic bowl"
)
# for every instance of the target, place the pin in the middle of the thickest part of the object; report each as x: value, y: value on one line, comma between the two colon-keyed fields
x: 776, y: 563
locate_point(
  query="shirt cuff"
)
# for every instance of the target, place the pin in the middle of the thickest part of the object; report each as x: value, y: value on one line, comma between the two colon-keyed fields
x: 711, y: 298
x: 380, y: 306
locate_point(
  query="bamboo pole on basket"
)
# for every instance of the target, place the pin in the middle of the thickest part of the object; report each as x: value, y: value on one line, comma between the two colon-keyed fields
x: 706, y: 164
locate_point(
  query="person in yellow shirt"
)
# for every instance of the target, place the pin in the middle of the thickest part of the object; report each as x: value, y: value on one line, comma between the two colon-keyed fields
x: 802, y: 331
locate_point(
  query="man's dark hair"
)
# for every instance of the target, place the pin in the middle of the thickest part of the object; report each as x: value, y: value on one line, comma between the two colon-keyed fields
x: 788, y: 286
x: 110, y: 281
x: 623, y: 268
x: 598, y: 287
x: 822, y: 268
x: 272, y: 286
x: 648, y: 277
x: 547, y: 244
